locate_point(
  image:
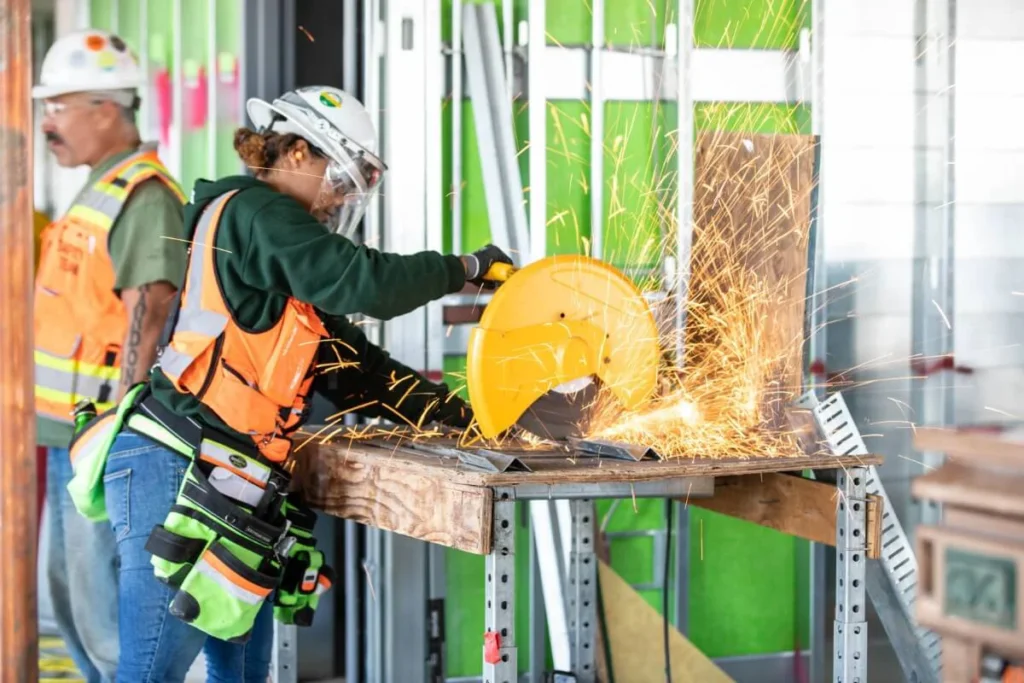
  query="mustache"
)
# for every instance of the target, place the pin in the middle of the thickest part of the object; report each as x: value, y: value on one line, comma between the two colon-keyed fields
x: 53, y: 137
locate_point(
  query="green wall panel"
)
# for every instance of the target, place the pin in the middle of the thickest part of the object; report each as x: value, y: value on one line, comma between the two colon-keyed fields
x: 101, y: 14
x: 195, y: 49
x: 761, y: 24
x: 227, y: 80
x: 129, y: 24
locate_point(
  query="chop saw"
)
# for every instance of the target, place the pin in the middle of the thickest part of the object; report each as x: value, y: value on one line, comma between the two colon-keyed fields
x: 553, y: 334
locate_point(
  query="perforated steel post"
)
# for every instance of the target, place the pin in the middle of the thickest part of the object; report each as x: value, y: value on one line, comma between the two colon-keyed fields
x: 500, y: 665
x: 851, y: 627
x: 582, y: 592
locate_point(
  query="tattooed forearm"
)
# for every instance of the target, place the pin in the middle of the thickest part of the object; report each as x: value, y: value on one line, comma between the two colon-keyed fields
x: 147, y: 307
x: 130, y: 365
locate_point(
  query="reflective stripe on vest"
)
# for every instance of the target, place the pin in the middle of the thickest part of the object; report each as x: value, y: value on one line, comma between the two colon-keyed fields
x: 192, y: 319
x: 256, y: 382
x: 79, y: 324
x: 102, y: 203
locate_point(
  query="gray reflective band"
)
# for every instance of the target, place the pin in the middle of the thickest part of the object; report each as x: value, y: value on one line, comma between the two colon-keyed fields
x: 102, y: 202
x: 107, y: 204
x: 192, y: 317
x: 223, y: 456
x: 227, y: 584
x: 79, y: 386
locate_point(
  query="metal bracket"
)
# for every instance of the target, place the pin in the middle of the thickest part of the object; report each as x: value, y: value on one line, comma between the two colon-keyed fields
x: 480, y: 459
x: 612, y: 449
x: 659, y: 545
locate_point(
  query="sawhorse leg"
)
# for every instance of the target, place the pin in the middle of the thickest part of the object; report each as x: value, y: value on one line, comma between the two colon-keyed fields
x: 500, y: 665
x: 850, y: 662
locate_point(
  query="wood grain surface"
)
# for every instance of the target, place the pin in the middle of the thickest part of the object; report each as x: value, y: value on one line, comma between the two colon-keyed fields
x: 558, y: 468
x: 402, y: 500
x: 19, y: 651
x: 793, y: 505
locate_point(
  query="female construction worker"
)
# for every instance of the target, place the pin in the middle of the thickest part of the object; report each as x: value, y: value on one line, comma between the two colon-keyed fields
x: 210, y: 548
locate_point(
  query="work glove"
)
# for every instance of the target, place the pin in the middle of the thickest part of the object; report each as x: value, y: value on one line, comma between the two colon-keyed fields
x: 453, y: 412
x: 480, y: 261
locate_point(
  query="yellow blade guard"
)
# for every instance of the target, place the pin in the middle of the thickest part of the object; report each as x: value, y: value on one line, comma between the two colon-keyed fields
x: 553, y: 321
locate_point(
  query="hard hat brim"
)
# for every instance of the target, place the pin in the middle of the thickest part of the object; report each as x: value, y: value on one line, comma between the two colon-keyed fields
x: 41, y: 92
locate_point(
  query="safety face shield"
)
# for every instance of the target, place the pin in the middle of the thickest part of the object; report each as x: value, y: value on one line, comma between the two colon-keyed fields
x: 348, y: 188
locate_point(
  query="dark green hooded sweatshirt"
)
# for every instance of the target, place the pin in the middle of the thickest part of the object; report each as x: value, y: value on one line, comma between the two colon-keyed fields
x: 269, y: 248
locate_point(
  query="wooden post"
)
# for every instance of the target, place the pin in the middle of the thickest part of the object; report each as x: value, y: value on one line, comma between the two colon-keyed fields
x: 19, y: 654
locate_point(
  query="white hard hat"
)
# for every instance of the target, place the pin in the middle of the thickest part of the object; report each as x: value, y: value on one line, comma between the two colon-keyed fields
x: 87, y: 61
x: 338, y: 125
x: 326, y: 117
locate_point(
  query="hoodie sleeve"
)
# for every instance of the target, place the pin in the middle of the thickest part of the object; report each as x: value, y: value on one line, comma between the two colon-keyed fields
x: 357, y: 375
x: 290, y: 253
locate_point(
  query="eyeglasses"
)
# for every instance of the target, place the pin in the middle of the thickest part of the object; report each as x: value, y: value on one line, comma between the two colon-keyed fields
x: 53, y: 108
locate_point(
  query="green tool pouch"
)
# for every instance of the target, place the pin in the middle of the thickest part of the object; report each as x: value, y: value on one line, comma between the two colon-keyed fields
x: 222, y: 557
x: 306, y: 577
x: 89, y: 450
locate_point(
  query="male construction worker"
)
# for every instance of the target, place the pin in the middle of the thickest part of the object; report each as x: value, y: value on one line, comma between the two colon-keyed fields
x: 108, y: 271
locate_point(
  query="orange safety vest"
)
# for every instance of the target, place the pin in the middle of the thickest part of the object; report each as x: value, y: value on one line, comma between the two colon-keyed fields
x: 80, y: 323
x: 257, y: 383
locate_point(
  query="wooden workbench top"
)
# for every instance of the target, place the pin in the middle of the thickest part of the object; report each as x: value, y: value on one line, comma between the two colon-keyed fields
x: 554, y: 467
x: 440, y: 500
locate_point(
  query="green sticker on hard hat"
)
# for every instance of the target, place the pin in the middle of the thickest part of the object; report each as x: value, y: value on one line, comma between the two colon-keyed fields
x: 329, y: 99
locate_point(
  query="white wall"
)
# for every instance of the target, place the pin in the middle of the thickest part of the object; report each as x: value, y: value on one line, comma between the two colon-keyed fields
x: 990, y: 209
x: 870, y: 205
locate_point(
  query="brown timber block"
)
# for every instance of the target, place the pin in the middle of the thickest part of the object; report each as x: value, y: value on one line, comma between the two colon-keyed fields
x: 994, y: 447
x: 876, y: 508
x: 793, y: 505
x: 384, y: 495
x: 957, y: 484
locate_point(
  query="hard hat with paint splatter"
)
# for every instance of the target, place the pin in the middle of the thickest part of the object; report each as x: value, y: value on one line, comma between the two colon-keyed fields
x: 88, y: 61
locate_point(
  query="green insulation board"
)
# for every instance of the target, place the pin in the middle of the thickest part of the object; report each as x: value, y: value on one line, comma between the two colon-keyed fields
x: 203, y: 75
x: 754, y: 24
x: 734, y: 609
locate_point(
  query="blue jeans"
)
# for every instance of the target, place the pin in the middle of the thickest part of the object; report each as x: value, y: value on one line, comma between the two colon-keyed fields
x: 82, y: 574
x: 142, y: 480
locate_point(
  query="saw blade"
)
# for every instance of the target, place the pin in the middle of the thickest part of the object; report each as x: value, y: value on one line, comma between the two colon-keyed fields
x: 560, y: 414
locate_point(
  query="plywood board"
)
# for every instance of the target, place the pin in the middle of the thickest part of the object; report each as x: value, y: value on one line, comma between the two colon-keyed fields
x: 958, y: 485
x: 998, y: 447
x: 635, y: 634
x: 793, y: 505
x: 402, y: 500
x: 751, y: 224
x: 555, y: 468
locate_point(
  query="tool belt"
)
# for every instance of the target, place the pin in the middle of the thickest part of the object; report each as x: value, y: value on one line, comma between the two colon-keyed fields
x: 232, y: 537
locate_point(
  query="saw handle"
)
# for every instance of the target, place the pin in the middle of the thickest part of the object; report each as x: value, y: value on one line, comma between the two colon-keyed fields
x: 500, y: 272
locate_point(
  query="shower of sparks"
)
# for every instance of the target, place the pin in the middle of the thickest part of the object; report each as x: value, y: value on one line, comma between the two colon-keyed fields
x: 745, y: 288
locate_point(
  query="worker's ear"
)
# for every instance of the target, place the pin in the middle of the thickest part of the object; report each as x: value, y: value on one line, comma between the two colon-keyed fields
x: 299, y: 153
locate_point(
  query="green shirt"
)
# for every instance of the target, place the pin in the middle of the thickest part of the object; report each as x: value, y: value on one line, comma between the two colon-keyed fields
x: 269, y: 249
x: 146, y: 245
